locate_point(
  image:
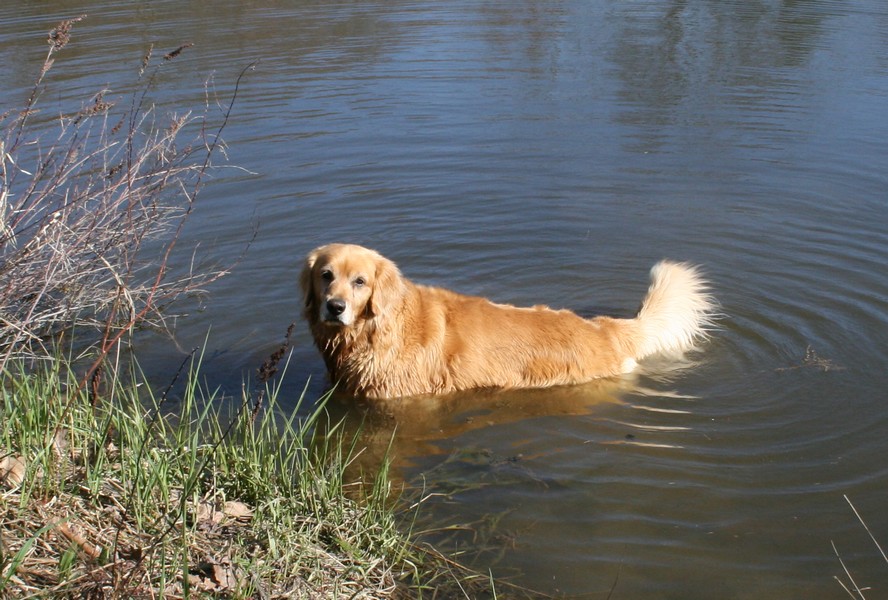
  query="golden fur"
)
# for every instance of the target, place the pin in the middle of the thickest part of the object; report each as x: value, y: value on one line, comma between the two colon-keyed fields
x: 383, y: 336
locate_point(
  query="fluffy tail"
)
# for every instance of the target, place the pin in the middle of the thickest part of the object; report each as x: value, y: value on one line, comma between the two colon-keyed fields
x: 676, y: 313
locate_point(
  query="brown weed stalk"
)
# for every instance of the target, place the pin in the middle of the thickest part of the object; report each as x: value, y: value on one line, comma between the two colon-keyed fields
x: 80, y: 197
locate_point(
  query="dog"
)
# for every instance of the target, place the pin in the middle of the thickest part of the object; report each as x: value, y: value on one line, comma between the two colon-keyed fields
x: 382, y: 336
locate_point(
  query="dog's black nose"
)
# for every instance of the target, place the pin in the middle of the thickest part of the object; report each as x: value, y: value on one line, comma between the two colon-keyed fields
x: 336, y: 306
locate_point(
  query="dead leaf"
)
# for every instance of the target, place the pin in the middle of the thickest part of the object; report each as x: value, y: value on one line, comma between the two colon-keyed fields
x: 206, y: 511
x: 92, y: 550
x: 224, y: 576
x: 213, y: 577
x: 237, y: 510
x: 12, y: 470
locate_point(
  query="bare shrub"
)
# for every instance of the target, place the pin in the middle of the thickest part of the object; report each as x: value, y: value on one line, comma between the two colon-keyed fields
x: 80, y: 195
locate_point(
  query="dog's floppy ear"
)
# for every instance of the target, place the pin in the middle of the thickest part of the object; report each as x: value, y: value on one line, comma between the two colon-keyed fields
x: 388, y: 287
x: 306, y: 280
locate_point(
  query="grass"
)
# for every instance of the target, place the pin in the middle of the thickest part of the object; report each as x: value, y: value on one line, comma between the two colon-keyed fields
x: 848, y: 582
x: 125, y: 498
x: 122, y: 500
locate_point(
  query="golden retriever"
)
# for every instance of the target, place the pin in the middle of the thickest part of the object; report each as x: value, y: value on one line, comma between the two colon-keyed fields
x: 383, y: 336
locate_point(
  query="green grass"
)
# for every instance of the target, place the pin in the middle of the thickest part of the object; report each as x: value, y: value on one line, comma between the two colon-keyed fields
x: 133, y: 494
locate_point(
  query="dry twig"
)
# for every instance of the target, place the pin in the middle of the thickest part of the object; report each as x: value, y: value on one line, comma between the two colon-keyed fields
x: 89, y: 219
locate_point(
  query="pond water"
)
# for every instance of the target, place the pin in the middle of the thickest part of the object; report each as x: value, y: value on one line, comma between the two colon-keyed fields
x: 551, y: 152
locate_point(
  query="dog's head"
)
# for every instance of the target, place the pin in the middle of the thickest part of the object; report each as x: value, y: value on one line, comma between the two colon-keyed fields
x: 344, y: 285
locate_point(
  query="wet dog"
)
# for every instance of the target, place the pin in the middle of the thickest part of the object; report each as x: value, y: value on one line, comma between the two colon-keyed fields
x: 383, y: 336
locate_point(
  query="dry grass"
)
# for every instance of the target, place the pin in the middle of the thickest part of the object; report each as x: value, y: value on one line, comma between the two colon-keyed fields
x: 849, y: 583
x: 80, y: 195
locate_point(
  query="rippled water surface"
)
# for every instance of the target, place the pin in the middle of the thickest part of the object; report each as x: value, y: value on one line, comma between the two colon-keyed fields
x: 551, y: 152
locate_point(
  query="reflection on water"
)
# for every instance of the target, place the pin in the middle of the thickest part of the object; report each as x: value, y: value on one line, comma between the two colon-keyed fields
x: 551, y: 153
x: 403, y: 429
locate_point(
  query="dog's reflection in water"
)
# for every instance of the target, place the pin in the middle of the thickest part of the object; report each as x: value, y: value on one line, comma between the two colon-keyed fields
x: 403, y: 429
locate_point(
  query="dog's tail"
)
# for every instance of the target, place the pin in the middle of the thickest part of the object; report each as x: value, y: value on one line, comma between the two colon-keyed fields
x: 677, y: 312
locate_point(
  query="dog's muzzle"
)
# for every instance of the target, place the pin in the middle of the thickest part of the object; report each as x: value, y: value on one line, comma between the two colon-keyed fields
x: 334, y: 309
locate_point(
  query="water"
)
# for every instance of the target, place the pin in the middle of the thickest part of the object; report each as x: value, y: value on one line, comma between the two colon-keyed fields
x: 551, y: 153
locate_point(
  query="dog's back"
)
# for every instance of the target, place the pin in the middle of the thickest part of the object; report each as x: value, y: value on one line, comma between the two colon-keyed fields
x: 478, y: 344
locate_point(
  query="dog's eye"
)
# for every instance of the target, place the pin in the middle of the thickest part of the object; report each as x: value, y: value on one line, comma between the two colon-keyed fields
x: 327, y: 275
x: 360, y: 282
